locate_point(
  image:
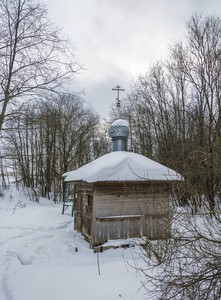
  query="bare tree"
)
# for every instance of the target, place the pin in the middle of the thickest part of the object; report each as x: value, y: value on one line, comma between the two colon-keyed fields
x: 199, y: 62
x: 174, y: 110
x: 182, y: 99
x: 34, y: 57
x: 186, y: 266
x: 53, y: 135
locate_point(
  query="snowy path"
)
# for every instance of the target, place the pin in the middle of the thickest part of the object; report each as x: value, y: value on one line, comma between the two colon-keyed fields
x: 38, y: 259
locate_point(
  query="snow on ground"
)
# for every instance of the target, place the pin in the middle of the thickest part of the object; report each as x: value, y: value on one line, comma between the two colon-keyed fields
x: 43, y: 257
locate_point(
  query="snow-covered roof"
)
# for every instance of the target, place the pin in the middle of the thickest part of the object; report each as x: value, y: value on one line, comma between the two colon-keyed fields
x: 122, y: 166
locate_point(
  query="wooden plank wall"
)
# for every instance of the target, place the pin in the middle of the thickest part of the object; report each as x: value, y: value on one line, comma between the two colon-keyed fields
x: 84, y: 209
x: 123, y: 210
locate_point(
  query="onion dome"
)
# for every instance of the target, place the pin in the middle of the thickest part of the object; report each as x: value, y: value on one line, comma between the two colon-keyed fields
x: 119, y: 131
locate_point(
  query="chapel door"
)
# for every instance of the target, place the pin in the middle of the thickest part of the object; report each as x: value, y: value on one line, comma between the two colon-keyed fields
x: 79, y: 212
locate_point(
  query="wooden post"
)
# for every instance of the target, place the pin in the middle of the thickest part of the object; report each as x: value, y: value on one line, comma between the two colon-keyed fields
x: 65, y: 185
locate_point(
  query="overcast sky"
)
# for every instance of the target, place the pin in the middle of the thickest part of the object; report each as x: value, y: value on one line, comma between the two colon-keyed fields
x: 117, y: 40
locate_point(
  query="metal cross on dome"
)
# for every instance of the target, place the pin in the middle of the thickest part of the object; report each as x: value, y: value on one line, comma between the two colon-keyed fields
x: 118, y: 89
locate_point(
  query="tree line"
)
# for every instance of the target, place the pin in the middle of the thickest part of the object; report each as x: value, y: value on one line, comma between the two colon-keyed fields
x: 174, y: 111
x: 52, y: 136
x: 45, y: 129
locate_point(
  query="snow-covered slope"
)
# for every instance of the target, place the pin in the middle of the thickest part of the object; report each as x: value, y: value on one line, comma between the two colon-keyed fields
x: 38, y: 258
x: 122, y: 166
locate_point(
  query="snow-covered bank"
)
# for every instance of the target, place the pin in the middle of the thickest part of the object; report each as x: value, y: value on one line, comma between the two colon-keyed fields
x: 42, y: 257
